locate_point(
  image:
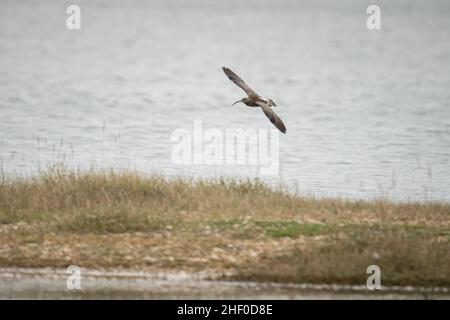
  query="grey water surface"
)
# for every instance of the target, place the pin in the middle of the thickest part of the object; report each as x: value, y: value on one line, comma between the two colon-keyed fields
x: 367, y: 112
x: 50, y: 283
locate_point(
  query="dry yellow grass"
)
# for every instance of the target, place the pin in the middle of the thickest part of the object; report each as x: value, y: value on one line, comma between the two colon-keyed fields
x: 110, y: 220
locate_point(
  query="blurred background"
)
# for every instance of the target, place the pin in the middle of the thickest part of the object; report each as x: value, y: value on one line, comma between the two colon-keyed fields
x: 367, y: 112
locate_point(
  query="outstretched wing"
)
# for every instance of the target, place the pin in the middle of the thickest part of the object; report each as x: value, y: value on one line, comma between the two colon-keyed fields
x: 276, y: 120
x: 239, y: 82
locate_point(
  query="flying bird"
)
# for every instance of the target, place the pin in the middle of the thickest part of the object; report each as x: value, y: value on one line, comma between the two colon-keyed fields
x: 255, y: 100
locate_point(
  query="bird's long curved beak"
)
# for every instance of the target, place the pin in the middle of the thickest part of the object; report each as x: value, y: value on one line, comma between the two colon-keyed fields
x: 237, y: 102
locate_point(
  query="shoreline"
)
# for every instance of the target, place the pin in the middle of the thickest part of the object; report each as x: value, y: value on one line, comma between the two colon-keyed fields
x: 49, y: 283
x: 108, y: 220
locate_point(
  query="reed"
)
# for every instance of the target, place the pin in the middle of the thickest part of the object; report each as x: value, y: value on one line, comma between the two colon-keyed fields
x: 108, y: 219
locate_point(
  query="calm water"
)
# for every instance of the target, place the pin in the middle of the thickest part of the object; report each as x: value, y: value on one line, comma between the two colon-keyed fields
x: 367, y: 112
x: 22, y: 283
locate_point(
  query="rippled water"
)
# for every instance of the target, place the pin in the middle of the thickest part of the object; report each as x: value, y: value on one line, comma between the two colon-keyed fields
x: 367, y: 112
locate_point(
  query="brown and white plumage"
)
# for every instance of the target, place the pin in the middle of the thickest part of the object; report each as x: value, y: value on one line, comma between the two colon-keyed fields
x: 254, y: 100
x: 239, y: 82
x: 276, y: 120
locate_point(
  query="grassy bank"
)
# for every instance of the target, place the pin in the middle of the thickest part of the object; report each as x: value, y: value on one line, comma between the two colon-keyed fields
x: 107, y: 219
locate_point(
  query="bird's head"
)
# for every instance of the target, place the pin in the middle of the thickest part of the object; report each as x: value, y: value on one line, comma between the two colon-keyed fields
x: 271, y: 103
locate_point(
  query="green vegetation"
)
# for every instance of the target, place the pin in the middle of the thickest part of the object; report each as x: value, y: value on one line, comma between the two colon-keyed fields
x: 110, y: 220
